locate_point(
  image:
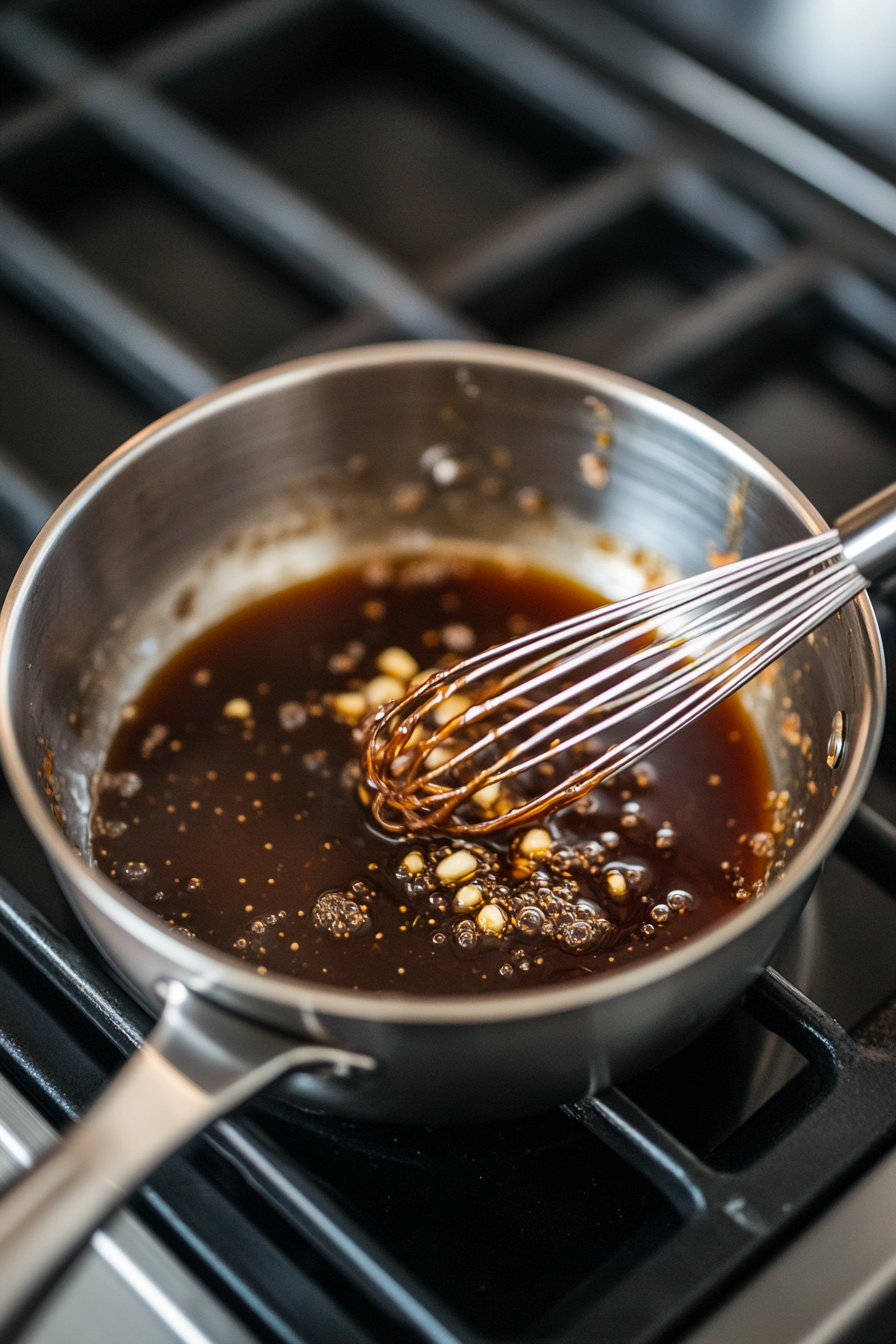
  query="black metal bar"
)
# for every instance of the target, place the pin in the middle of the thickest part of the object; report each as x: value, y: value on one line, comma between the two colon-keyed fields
x: 863, y: 303
x: 211, y: 36
x: 25, y: 128
x: 303, y: 1204
x: 241, y: 1263
x: 733, y: 1218
x: 25, y: 504
x: 836, y: 1283
x: 226, y: 185
x: 701, y: 201
x: 172, y: 54
x: 90, y: 991
x: 627, y: 1129
x: 785, y: 1010
x: 597, y: 34
x: 534, y: 72
x: 712, y: 321
x: 664, y: 1289
x: 557, y: 221
x: 149, y: 359
x: 869, y: 842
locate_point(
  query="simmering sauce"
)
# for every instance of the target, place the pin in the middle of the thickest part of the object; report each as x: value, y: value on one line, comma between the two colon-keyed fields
x: 231, y: 804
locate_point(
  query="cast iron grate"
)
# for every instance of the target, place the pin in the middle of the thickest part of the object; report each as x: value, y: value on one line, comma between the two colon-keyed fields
x: 188, y: 191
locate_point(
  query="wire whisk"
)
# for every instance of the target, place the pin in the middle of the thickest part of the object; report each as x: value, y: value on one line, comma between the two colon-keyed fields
x: 527, y: 726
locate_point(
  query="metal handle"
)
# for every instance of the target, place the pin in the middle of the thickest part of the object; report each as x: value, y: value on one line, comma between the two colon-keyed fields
x: 868, y: 533
x: 198, y: 1063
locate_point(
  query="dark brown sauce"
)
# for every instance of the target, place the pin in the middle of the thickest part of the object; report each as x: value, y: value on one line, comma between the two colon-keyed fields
x: 230, y: 803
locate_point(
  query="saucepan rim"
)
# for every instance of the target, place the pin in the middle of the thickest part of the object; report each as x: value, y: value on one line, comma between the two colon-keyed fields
x: 205, y: 967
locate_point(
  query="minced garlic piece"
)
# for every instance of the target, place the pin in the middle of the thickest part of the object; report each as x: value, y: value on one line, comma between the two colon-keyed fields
x: 450, y: 709
x: 467, y: 898
x: 382, y: 689
x: 438, y: 756
x: 237, y: 708
x: 536, y: 843
x: 457, y: 865
x: 617, y: 885
x: 398, y: 663
x: 350, y: 706
x: 491, y: 919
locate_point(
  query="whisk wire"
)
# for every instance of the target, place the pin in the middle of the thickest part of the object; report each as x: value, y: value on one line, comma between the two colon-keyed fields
x: 700, y: 629
x: 690, y: 645
x: 625, y: 692
x: 636, y: 609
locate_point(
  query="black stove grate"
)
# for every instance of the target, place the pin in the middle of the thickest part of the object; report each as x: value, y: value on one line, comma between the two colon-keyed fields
x: 303, y: 1245
x: 189, y: 191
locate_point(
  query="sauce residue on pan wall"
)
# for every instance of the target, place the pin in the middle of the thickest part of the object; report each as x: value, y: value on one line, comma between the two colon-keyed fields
x: 230, y: 802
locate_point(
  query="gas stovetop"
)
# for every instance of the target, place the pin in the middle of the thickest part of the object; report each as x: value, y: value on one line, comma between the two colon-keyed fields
x: 191, y: 191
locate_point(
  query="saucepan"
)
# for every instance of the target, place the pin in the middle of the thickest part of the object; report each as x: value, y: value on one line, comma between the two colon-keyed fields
x: 280, y: 477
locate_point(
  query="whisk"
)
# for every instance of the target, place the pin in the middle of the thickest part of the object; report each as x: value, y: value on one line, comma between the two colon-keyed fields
x: 526, y: 726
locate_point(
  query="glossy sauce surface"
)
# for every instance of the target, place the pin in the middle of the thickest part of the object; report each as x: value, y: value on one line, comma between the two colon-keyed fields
x: 230, y: 803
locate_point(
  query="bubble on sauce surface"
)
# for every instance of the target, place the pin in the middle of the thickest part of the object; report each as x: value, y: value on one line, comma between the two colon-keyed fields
x: 291, y: 715
x: 113, y: 828
x: 637, y: 876
x: 529, y: 921
x: 466, y: 935
x: 135, y: 871
x: 336, y: 914
x: 578, y: 936
x: 679, y: 900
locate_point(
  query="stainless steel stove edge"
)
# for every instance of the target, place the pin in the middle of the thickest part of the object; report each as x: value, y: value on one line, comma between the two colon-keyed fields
x: 835, y: 1283
x: 126, y: 1284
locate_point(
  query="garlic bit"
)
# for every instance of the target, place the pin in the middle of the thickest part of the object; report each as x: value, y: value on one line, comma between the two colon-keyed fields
x: 456, y: 866
x: 467, y: 898
x: 412, y: 864
x: 536, y: 843
x: 491, y: 919
x: 398, y: 663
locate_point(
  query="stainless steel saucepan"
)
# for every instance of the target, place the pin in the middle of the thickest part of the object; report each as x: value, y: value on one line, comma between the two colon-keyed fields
x: 280, y: 477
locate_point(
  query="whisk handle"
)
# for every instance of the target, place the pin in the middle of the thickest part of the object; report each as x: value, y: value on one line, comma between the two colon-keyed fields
x: 868, y: 533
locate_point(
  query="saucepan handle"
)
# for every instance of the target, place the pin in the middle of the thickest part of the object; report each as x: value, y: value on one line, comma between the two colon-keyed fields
x: 198, y: 1063
x: 868, y: 533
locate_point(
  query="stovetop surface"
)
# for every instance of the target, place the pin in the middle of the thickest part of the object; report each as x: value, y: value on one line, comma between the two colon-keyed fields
x: 191, y: 191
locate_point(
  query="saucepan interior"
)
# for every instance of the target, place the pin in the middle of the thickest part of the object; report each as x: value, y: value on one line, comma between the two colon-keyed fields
x: 286, y: 475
